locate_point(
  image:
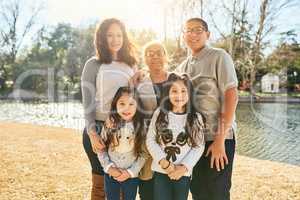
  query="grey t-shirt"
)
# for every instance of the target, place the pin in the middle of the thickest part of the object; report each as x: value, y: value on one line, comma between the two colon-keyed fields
x: 88, y: 89
x: 212, y: 72
x: 99, y: 83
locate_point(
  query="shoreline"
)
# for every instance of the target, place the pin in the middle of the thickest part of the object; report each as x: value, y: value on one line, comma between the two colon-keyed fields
x: 242, y: 99
x: 271, y: 99
x: 44, y: 162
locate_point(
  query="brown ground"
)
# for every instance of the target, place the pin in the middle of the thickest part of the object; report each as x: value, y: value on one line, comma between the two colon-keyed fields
x: 40, y: 162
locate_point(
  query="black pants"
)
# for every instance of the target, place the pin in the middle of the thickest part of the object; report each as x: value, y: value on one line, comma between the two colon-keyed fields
x: 209, y: 184
x: 146, y: 189
x: 95, y: 164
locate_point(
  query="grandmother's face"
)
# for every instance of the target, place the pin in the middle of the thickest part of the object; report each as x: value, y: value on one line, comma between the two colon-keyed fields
x: 155, y: 57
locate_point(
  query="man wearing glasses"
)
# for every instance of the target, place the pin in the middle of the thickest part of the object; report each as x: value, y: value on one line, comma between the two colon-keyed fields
x: 214, y: 78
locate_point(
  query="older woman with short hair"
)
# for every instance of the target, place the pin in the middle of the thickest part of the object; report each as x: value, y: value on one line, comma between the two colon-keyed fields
x: 151, y: 89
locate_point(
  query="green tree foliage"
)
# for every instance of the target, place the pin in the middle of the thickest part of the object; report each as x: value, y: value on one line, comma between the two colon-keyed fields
x: 55, y: 61
x: 286, y: 58
x: 56, y: 57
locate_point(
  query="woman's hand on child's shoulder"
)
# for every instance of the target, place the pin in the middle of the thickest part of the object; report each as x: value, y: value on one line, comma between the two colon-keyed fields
x: 109, y: 123
x: 97, y: 144
x: 137, y: 77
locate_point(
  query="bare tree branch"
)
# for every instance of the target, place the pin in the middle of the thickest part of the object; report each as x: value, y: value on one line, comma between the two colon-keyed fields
x: 211, y: 15
x: 11, y: 15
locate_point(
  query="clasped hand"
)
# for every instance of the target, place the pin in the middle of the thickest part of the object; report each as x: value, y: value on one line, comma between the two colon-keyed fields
x: 119, y: 174
x: 175, y: 172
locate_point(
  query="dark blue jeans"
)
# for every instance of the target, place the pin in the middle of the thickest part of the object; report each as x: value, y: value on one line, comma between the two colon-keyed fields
x: 209, y: 184
x: 113, y: 188
x: 167, y: 189
x: 146, y: 189
x: 95, y: 163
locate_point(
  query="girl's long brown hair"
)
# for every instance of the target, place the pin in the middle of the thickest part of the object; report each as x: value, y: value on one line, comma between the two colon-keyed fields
x: 193, y: 126
x: 126, y: 54
x: 138, y: 120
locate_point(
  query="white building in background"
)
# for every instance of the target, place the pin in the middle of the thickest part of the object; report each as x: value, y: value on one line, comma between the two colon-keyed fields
x: 270, y: 83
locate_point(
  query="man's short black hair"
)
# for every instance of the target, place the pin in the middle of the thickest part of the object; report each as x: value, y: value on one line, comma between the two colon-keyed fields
x: 201, y: 21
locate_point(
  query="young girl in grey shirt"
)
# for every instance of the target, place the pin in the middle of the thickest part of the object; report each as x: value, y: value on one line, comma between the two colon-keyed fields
x: 123, y: 158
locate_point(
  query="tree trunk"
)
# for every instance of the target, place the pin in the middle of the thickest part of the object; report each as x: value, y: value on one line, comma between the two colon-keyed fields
x: 257, y: 42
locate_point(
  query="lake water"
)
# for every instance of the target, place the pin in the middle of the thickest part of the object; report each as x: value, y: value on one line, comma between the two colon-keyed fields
x: 265, y: 131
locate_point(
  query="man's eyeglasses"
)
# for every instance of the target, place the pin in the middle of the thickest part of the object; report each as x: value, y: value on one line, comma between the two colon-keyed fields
x: 152, y: 54
x: 196, y: 30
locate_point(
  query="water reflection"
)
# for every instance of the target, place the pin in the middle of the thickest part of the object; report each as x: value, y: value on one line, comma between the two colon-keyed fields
x: 68, y: 115
x: 269, y: 131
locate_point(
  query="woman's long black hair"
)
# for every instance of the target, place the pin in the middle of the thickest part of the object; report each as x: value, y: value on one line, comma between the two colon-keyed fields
x: 127, y: 53
x: 138, y: 120
x: 193, y: 126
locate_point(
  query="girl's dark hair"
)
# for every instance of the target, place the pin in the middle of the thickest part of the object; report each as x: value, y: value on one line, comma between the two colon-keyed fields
x: 126, y: 54
x: 192, y: 126
x: 118, y: 122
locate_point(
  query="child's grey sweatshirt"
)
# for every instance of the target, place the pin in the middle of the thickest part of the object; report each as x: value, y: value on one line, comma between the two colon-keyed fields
x: 122, y: 155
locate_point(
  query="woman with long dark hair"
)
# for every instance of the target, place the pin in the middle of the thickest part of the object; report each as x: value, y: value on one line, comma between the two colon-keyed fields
x: 111, y: 68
